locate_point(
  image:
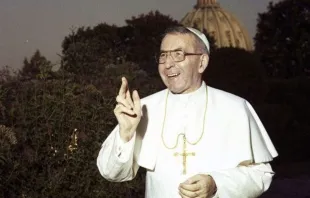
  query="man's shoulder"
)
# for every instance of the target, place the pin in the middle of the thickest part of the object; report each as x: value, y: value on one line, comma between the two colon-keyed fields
x: 224, y: 95
x: 155, y: 97
x: 227, y: 102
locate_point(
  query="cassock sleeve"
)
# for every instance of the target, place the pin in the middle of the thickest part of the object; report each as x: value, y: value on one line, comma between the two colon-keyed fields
x: 243, y: 181
x: 115, y: 160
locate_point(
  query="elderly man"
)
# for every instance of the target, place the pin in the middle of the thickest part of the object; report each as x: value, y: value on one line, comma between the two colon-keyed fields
x: 193, y: 140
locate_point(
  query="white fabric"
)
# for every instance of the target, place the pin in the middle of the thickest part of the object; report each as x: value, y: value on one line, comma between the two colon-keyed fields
x: 201, y: 36
x: 233, y: 134
x: 243, y: 182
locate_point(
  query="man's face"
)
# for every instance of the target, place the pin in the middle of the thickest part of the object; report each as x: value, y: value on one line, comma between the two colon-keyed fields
x: 184, y: 76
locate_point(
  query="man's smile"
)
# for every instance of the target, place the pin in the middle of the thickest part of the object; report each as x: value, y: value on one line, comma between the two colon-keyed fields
x: 173, y: 75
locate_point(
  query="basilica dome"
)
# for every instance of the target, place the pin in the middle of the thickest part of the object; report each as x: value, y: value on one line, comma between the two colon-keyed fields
x: 227, y: 31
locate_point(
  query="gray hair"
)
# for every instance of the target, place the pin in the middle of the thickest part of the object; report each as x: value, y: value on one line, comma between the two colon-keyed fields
x: 184, y: 30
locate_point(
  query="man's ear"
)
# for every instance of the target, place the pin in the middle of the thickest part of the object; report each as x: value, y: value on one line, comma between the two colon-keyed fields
x: 204, y: 61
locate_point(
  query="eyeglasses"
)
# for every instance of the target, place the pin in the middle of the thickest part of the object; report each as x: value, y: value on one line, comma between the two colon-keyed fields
x: 176, y: 55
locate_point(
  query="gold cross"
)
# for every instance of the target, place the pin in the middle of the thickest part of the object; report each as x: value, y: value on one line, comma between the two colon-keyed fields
x: 184, y: 154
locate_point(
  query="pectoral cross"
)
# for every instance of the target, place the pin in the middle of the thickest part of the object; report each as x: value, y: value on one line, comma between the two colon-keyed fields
x: 184, y: 154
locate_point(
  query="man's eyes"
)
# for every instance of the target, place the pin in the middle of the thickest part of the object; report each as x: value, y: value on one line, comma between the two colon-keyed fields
x: 174, y: 53
x: 178, y: 53
x: 163, y: 54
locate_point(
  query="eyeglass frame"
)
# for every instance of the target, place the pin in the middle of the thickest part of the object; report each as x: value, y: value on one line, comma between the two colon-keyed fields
x: 168, y: 53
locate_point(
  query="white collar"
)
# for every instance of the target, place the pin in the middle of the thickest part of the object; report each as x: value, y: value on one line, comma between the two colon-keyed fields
x: 194, y: 94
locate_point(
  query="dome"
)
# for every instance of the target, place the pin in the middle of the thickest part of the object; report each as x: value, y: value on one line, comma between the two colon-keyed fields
x: 208, y: 15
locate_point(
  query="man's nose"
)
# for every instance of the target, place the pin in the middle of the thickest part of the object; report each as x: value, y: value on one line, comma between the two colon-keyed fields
x: 169, y: 61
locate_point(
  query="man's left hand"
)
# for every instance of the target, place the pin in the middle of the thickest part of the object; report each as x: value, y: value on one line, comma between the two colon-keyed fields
x: 198, y: 186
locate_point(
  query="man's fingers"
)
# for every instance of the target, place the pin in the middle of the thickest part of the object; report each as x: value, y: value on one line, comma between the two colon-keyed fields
x: 124, y: 102
x: 198, y: 185
x: 124, y: 88
x: 193, y: 179
x: 128, y: 98
x: 136, y: 102
x: 122, y: 109
x: 187, y: 193
x: 124, y: 93
x: 190, y: 187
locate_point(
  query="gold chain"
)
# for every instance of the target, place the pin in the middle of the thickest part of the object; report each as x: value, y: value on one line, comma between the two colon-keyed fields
x: 184, y: 137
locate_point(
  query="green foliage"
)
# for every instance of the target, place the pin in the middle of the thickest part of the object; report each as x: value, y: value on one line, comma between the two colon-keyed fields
x: 7, y: 139
x: 237, y: 71
x: 6, y: 74
x: 87, y: 50
x: 7, y: 142
x: 37, y: 68
x: 60, y: 125
x: 282, y: 38
x: 285, y: 115
x: 146, y: 32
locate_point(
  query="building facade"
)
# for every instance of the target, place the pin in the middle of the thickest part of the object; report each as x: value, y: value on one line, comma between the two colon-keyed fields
x: 225, y: 28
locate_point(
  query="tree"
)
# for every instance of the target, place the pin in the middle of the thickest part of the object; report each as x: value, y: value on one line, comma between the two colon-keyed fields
x: 6, y: 74
x: 236, y: 71
x: 37, y: 67
x: 282, y: 38
x: 87, y: 50
x: 144, y: 37
x: 60, y: 125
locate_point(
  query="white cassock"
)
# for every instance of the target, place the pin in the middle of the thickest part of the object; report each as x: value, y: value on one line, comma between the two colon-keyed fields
x: 233, y: 134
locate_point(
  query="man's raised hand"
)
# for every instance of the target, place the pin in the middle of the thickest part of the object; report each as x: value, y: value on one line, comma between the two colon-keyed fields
x: 127, y: 111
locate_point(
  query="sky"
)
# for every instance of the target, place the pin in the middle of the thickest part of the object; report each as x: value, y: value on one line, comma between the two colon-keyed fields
x: 28, y: 25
